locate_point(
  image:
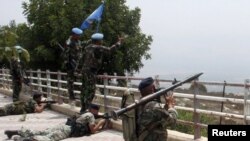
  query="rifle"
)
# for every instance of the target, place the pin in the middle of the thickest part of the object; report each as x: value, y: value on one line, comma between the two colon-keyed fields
x: 48, y: 102
x: 104, y: 116
x: 26, y: 81
x: 117, y: 113
x: 71, y: 62
x: 24, y: 76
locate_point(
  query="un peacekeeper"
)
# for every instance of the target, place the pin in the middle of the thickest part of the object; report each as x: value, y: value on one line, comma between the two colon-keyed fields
x: 92, y: 61
x: 16, y: 73
x: 74, y: 127
x: 153, y: 119
x: 20, y: 107
x: 72, y: 57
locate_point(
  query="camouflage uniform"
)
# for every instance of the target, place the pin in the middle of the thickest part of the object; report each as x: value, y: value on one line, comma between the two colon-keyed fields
x: 18, y: 108
x: 93, y: 55
x: 16, y: 73
x: 73, y: 51
x: 57, y: 133
x: 153, y: 121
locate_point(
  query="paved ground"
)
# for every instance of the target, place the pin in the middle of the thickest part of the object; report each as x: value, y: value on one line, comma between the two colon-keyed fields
x: 44, y: 120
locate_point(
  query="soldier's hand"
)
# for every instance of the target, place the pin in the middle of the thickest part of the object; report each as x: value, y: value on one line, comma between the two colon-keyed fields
x: 120, y: 40
x: 170, y: 101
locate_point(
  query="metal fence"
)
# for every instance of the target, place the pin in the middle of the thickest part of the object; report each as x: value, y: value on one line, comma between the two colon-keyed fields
x: 108, y: 95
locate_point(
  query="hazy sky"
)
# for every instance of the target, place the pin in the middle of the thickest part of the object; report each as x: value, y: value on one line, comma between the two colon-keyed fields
x: 190, y: 36
x: 212, y: 36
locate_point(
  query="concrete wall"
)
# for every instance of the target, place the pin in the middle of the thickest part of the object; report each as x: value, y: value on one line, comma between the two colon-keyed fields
x: 117, y: 125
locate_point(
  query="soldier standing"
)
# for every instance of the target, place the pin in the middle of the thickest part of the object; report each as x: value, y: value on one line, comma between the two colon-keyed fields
x: 73, y: 51
x: 15, y: 71
x: 153, y: 118
x: 93, y: 54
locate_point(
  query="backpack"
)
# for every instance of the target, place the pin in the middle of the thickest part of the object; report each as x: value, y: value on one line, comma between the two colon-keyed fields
x: 129, y: 119
x: 78, y: 129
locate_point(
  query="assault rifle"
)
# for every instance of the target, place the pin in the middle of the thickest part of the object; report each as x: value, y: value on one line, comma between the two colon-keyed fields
x: 48, y: 102
x: 104, y: 116
x: 117, y: 113
x: 26, y: 81
x: 71, y: 62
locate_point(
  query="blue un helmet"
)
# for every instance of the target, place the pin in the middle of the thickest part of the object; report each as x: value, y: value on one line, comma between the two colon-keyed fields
x: 77, y: 31
x: 97, y: 36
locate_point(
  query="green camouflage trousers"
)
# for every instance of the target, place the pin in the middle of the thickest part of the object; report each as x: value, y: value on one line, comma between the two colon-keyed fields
x: 70, y: 84
x: 156, y: 135
x: 16, y: 87
x: 15, y: 108
x: 57, y: 133
x: 88, y: 89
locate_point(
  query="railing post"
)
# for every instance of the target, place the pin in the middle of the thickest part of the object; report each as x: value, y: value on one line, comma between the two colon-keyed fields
x: 31, y: 76
x: 3, y: 79
x: 157, y: 82
x: 105, y: 83
x: 48, y: 83
x: 59, y: 86
x: 7, y: 79
x: 128, y: 81
x: 196, y: 118
x: 1, y: 76
x: 223, y: 95
x: 246, y: 105
x: 39, y: 81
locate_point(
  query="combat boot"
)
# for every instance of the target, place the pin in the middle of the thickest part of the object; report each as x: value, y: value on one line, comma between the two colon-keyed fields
x: 11, y: 133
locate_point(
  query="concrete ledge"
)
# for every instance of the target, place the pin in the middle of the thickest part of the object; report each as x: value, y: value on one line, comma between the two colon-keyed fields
x: 117, y: 125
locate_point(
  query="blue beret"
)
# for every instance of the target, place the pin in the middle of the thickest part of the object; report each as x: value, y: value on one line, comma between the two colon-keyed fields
x: 145, y: 83
x: 77, y: 31
x: 97, y: 36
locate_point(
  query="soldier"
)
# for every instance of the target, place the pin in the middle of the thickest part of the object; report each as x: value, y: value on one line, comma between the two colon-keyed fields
x: 16, y: 73
x: 92, y: 60
x: 76, y: 127
x: 73, y: 51
x: 31, y: 106
x: 17, y: 69
x: 153, y: 119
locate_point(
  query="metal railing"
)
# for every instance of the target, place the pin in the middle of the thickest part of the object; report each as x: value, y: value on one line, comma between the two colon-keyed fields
x: 109, y: 96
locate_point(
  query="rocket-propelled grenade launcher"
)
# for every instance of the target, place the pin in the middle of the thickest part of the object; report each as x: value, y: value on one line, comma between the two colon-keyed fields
x: 117, y: 113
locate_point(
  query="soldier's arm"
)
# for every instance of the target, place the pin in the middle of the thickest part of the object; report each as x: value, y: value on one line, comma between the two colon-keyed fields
x: 40, y: 107
x: 96, y: 127
x: 108, y: 49
x: 170, y: 112
x: 117, y: 44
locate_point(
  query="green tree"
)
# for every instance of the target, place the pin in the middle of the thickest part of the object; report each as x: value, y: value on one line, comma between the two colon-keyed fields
x: 8, y: 36
x: 50, y: 22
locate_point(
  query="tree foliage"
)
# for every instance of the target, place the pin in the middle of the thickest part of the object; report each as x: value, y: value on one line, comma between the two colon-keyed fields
x: 50, y: 22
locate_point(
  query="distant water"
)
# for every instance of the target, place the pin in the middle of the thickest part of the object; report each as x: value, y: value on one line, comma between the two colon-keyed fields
x: 205, y: 78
